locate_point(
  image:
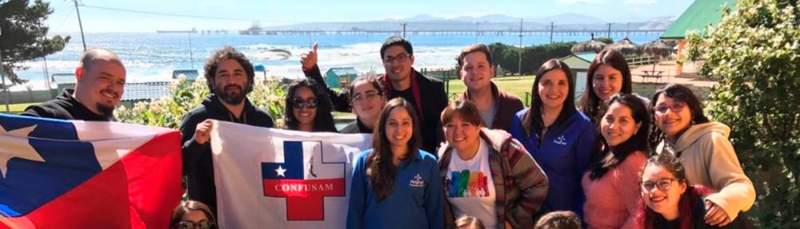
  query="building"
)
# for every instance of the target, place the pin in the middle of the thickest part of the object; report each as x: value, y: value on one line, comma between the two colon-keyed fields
x: 579, y: 64
x: 64, y: 81
x: 191, y: 75
x: 700, y: 14
x: 134, y: 92
x: 144, y: 91
x: 340, y: 77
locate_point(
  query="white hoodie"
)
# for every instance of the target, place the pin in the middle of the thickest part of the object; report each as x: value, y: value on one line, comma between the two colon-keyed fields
x: 710, y: 160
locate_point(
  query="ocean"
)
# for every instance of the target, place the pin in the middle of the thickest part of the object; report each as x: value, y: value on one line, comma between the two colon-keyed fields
x: 153, y: 56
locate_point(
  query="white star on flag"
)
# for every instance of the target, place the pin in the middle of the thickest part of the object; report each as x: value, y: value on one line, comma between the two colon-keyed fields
x: 281, y: 171
x: 18, y: 147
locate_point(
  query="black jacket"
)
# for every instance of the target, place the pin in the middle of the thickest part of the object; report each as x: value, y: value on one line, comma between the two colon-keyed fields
x: 355, y: 127
x: 699, y: 211
x: 65, y: 107
x: 432, y: 96
x: 197, y: 164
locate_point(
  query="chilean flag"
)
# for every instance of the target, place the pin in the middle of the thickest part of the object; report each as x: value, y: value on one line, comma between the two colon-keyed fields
x: 270, y: 178
x: 80, y: 174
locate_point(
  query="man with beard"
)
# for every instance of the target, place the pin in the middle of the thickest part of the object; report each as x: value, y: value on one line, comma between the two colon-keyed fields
x: 98, y: 89
x: 401, y: 80
x: 230, y: 77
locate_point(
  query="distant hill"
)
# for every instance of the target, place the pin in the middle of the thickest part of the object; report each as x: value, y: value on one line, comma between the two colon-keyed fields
x: 568, y: 21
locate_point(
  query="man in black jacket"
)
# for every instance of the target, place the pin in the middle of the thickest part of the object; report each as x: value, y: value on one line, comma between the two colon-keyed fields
x: 230, y: 77
x: 100, y: 82
x: 427, y: 94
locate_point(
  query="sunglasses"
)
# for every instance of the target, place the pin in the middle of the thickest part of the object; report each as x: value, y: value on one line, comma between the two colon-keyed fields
x: 205, y: 224
x: 300, y: 103
x: 663, y: 184
x: 676, y: 107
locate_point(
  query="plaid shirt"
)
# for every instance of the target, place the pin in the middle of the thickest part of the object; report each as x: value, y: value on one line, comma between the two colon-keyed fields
x: 519, y: 182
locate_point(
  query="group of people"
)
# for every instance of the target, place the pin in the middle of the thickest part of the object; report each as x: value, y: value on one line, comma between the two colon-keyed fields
x: 610, y: 160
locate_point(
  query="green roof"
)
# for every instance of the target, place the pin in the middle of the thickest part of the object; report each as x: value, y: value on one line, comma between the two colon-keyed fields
x: 696, y: 17
x: 579, y: 60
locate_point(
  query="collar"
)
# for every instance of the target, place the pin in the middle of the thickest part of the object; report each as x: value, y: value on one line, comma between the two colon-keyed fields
x: 495, y: 92
x: 414, y: 89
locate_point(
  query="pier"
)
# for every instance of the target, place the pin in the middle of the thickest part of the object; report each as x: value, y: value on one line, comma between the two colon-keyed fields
x: 509, y: 32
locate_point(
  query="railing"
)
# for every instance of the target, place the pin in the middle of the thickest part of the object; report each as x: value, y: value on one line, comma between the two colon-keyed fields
x: 642, y: 60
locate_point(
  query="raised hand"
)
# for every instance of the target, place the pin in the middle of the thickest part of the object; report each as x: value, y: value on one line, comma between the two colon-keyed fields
x: 309, y: 60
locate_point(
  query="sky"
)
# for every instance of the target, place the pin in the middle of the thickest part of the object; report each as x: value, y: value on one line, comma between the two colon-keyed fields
x: 240, y: 14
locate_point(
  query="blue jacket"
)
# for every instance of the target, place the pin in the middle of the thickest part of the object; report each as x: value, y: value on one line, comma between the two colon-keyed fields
x: 415, y: 201
x: 563, y: 154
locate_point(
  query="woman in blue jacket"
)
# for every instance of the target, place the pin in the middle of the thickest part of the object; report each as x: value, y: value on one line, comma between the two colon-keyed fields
x: 559, y: 137
x: 395, y: 184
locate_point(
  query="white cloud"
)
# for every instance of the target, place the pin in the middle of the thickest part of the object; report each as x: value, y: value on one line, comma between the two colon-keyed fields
x: 580, y: 1
x: 640, y: 2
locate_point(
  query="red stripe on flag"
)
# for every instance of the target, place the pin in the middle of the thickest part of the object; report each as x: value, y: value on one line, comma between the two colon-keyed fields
x: 139, y: 191
x: 305, y: 198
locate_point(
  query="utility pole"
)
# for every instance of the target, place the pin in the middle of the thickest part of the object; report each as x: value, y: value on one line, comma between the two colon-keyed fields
x: 191, y: 54
x: 519, y: 67
x: 83, y: 39
x: 628, y: 33
x: 609, y: 31
x: 552, y: 25
x: 404, y: 28
x: 46, y: 75
x: 476, y: 31
x: 3, y: 77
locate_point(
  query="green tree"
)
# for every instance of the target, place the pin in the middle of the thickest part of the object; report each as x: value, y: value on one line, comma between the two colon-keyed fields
x: 507, y: 56
x: 23, y: 36
x: 755, y: 53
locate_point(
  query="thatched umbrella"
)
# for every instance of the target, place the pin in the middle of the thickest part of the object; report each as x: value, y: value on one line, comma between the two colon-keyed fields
x: 657, y: 48
x: 625, y: 46
x: 589, y: 46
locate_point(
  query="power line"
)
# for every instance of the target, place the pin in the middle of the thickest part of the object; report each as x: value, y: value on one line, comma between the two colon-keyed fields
x: 164, y: 14
x: 60, y: 26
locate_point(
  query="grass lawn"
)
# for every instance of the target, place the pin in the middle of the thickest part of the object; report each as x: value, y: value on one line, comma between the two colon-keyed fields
x: 517, y: 85
x: 16, y: 108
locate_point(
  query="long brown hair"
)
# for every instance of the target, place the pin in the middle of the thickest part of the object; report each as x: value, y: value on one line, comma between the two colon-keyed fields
x: 590, y: 103
x: 609, y: 157
x: 532, y: 122
x: 380, y: 169
x: 323, y: 121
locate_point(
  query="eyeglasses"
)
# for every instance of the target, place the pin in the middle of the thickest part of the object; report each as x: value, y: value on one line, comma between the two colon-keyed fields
x: 205, y: 224
x: 663, y: 184
x: 300, y: 103
x: 676, y: 107
x: 369, y: 96
x: 400, y: 58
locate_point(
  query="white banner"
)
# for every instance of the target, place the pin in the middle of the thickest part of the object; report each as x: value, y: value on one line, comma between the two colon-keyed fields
x: 271, y: 178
